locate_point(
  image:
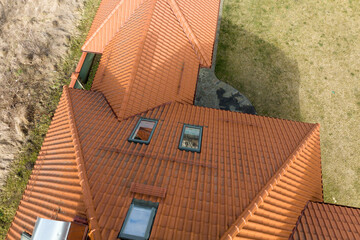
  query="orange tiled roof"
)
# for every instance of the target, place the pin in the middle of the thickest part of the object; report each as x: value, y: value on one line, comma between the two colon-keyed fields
x: 105, y: 8
x: 240, y: 155
x: 144, y: 65
x: 273, y: 212
x: 197, y: 18
x: 202, y: 16
x: 54, y: 190
x: 99, y: 38
x: 200, y: 194
x: 327, y: 221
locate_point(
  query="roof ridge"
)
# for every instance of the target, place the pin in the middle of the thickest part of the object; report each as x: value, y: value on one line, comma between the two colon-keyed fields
x: 241, y: 221
x: 137, y: 60
x: 84, y: 183
x: 189, y: 33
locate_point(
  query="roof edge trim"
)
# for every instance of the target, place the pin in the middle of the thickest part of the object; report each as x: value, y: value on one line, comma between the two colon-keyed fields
x: 189, y: 33
x: 241, y: 221
x: 84, y: 183
x: 137, y: 61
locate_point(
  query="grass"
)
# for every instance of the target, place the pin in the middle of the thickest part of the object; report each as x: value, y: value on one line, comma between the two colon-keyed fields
x: 300, y: 60
x: 92, y: 73
x: 22, y: 166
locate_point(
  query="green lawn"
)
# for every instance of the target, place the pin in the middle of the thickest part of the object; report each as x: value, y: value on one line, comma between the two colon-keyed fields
x: 300, y: 60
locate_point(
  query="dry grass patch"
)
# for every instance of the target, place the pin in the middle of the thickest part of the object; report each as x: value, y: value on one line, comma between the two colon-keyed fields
x: 20, y: 169
x: 300, y: 60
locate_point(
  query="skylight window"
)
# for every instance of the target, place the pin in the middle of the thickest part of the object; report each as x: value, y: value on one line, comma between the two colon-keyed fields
x: 143, y: 131
x: 191, y: 138
x: 139, y: 220
x: 25, y: 236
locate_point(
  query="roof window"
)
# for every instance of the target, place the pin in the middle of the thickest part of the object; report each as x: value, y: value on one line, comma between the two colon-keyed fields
x: 139, y: 220
x: 191, y: 138
x: 25, y: 236
x: 143, y: 131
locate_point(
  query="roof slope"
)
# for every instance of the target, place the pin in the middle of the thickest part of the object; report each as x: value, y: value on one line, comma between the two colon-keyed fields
x: 110, y: 25
x: 54, y: 189
x: 116, y: 68
x: 239, y: 155
x: 105, y: 8
x: 327, y: 221
x: 202, y: 17
x: 191, y: 15
x: 200, y: 194
x: 145, y: 66
x: 273, y: 213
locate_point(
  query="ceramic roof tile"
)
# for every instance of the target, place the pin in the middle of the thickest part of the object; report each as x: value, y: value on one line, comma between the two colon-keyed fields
x: 327, y: 221
x: 202, y: 17
x: 274, y: 211
x: 156, y: 67
x: 105, y: 8
x: 191, y: 15
x: 117, y: 63
x: 205, y: 61
x: 239, y: 155
x: 166, y: 70
x: 111, y: 25
x: 54, y: 189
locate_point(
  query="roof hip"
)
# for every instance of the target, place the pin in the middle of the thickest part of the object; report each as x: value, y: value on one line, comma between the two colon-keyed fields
x: 189, y: 33
x: 241, y: 221
x: 137, y: 61
x: 94, y: 226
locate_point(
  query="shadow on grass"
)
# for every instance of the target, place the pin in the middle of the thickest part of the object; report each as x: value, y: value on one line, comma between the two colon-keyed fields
x: 259, y: 70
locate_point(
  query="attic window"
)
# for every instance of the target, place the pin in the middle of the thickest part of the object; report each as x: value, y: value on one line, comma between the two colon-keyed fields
x: 139, y: 220
x: 191, y: 138
x: 143, y: 131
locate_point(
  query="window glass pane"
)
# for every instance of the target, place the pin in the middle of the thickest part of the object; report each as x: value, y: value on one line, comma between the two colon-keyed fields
x: 144, y: 129
x: 138, y: 221
x: 191, y: 137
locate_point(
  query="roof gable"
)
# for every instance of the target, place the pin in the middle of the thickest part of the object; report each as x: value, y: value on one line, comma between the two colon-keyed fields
x: 118, y: 63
